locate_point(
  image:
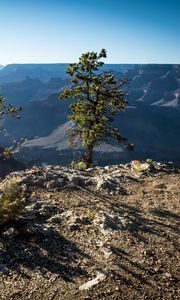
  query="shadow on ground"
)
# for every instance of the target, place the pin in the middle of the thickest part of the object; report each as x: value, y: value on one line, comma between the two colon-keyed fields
x: 36, y: 245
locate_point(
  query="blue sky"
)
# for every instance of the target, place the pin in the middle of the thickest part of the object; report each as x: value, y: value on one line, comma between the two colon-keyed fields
x: 132, y: 31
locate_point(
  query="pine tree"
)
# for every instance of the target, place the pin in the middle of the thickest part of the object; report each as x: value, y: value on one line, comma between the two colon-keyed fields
x: 98, y: 97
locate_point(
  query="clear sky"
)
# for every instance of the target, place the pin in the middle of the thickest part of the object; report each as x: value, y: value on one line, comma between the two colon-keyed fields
x: 132, y: 31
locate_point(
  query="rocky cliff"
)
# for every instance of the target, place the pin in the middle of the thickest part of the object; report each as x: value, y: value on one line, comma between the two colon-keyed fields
x: 101, y: 233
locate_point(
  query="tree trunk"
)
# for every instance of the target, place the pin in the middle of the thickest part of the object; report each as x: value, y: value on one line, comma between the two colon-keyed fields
x: 89, y: 160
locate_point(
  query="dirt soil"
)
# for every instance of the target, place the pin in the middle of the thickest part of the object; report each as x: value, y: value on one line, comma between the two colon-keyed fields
x: 124, y: 246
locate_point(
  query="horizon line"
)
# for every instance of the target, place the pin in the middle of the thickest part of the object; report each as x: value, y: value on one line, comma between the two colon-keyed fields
x: 66, y: 63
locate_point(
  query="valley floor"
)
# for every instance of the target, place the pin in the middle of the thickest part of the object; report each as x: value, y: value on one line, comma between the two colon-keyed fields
x: 80, y: 243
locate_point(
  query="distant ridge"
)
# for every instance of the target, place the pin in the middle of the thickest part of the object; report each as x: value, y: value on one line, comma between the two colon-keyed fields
x: 151, y: 120
x: 44, y: 72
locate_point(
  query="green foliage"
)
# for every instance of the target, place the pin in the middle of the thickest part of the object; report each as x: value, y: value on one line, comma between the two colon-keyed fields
x: 78, y: 165
x: 98, y: 98
x: 11, y: 201
x: 7, y: 111
x: 8, y: 152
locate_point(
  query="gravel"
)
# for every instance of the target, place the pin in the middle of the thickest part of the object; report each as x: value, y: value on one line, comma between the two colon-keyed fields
x: 103, y: 233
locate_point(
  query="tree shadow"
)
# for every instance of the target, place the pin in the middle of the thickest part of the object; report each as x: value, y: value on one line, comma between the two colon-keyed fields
x: 38, y: 245
x: 34, y: 244
x: 163, y: 213
x: 140, y: 270
x: 138, y: 222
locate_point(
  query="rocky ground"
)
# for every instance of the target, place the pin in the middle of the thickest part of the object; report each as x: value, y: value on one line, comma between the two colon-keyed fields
x: 103, y: 233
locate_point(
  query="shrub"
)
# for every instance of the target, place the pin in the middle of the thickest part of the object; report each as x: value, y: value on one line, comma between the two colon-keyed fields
x: 78, y: 165
x: 11, y: 200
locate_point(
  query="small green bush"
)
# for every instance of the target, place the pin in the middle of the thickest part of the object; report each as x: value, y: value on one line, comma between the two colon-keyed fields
x: 78, y: 165
x: 11, y: 200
